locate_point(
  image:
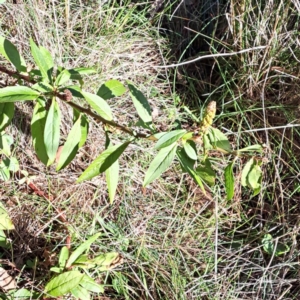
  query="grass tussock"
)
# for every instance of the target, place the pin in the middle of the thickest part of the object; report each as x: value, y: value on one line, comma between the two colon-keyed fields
x: 176, y: 242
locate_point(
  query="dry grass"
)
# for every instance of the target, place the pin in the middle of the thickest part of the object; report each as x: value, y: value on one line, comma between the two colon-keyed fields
x: 177, y: 244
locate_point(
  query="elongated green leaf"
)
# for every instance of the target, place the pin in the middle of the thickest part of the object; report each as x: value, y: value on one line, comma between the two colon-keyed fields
x: 10, y: 52
x: 4, y: 172
x: 206, y: 172
x: 52, y: 131
x: 62, y: 78
x: 160, y: 163
x: 71, y: 146
x: 63, y: 283
x: 7, y: 111
x: 82, y: 248
x: 103, y: 161
x: 63, y: 257
x: 76, y: 73
x: 37, y: 131
x: 110, y: 89
x: 271, y: 247
x: 12, y: 164
x: 190, y: 149
x: 17, y: 93
x: 254, y: 177
x: 80, y: 293
x: 99, y: 105
x: 5, y: 221
x: 43, y: 87
x: 4, y: 241
x: 48, y: 59
x: 5, y: 142
x: 84, y: 126
x: 251, y: 148
x: 169, y: 138
x: 218, y: 139
x: 41, y: 60
x: 112, y: 175
x: 89, y: 284
x: 245, y: 172
x: 188, y: 166
x: 229, y: 181
x: 141, y: 104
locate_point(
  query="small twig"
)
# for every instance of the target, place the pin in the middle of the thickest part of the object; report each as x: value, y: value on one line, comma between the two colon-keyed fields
x: 211, y: 56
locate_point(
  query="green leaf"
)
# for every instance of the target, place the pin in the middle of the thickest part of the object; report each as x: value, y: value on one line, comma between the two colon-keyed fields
x: 206, y: 172
x: 71, y: 146
x: 251, y: 148
x: 17, y: 93
x: 4, y: 172
x: 190, y: 149
x: 84, y: 126
x: 62, y: 78
x: 218, y: 139
x: 141, y: 104
x: 112, y: 175
x: 89, y: 284
x: 5, y: 143
x: 5, y: 221
x: 254, y: 177
x: 269, y: 246
x: 103, y: 161
x: 12, y: 164
x: 42, y: 59
x: 74, y: 89
x: 63, y: 283
x: 99, y: 105
x: 10, y: 52
x: 110, y: 89
x: 105, y: 261
x: 52, y: 131
x: 7, y: 111
x: 229, y: 181
x: 76, y: 73
x: 56, y: 270
x: 24, y: 294
x: 160, y: 164
x: 37, y: 131
x: 82, y: 248
x: 4, y: 241
x: 63, y: 257
x: 169, y: 138
x: 80, y: 293
x: 245, y: 172
x: 43, y: 87
x: 187, y: 165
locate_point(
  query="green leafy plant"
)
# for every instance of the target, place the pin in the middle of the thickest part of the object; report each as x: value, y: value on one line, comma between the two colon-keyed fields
x: 274, y: 247
x: 48, y: 85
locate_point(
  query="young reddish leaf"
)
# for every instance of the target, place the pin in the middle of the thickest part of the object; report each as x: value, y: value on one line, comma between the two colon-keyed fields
x: 63, y: 283
x: 110, y: 89
x: 17, y: 93
x: 141, y: 104
x: 160, y: 163
x: 99, y: 105
x: 7, y: 111
x: 52, y: 131
x: 37, y: 131
x: 70, y: 147
x: 229, y: 181
x: 10, y: 52
x: 103, y: 161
